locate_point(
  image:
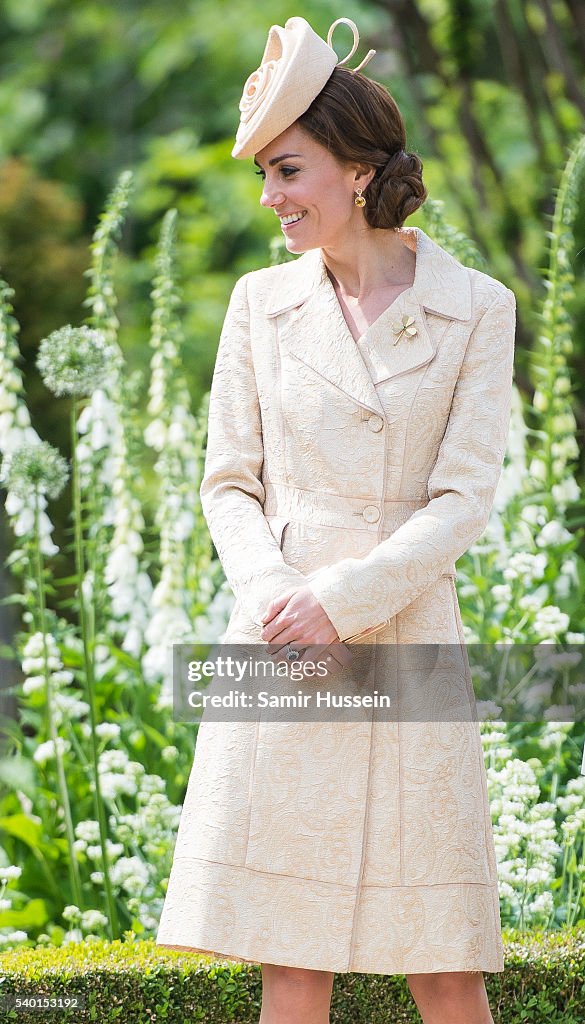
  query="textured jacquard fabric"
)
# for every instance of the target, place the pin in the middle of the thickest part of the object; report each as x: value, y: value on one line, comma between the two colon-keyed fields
x: 365, y: 469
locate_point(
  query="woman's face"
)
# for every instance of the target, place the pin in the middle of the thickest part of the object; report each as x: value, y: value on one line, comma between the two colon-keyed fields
x: 309, y: 183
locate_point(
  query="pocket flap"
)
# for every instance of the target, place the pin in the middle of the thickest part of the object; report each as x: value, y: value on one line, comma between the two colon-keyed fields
x: 276, y: 525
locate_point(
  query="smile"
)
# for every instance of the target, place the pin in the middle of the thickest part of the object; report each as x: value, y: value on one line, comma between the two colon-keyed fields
x: 292, y: 218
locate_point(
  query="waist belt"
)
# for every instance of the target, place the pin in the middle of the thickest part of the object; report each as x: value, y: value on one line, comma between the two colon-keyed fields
x: 349, y: 512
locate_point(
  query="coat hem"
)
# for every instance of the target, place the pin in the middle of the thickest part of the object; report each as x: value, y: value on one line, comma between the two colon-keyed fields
x: 214, y: 910
x: 208, y: 952
x: 232, y: 958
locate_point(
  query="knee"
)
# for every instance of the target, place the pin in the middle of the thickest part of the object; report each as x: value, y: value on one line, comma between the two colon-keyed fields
x: 296, y: 977
x: 456, y: 981
x: 444, y: 984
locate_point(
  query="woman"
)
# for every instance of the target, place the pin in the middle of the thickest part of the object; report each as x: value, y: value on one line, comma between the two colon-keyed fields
x: 358, y: 421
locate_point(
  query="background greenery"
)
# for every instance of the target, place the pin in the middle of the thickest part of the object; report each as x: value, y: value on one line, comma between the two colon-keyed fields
x: 493, y: 95
x: 492, y: 92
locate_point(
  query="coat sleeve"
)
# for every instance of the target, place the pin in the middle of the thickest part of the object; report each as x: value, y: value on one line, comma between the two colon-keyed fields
x: 232, y: 494
x: 361, y: 595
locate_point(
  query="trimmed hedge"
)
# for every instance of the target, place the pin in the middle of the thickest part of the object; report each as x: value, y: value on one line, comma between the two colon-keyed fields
x: 137, y: 982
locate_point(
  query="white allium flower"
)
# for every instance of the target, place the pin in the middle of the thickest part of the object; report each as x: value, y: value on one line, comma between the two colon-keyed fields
x: 114, y: 850
x: 525, y: 566
x: 113, y: 784
x: 502, y: 753
x: 130, y: 874
x: 35, y: 469
x: 543, y: 903
x: 113, y: 760
x: 108, y: 730
x: 91, y: 919
x: 554, y: 737
x: 152, y: 784
x: 71, y: 913
x: 89, y: 830
x: 74, y: 360
x: 568, y: 804
x: 502, y: 592
x: 551, y: 621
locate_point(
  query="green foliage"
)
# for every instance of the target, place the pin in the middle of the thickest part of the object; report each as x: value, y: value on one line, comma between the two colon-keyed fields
x: 83, y: 805
x: 489, y: 103
x: 138, y: 982
x: 89, y: 88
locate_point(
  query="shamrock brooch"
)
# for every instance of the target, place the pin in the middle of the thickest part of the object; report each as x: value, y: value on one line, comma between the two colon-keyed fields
x: 405, y: 328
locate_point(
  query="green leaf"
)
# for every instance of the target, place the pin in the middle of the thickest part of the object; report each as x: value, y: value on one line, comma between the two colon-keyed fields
x: 22, y: 827
x: 17, y: 772
x: 34, y: 915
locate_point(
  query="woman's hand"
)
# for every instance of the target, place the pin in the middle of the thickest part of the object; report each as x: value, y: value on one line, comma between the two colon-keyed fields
x: 297, y: 617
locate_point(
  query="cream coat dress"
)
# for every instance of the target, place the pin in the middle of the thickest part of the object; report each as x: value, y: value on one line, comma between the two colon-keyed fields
x: 366, y: 469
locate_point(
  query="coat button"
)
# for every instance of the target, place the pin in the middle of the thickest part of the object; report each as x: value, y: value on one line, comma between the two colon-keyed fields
x: 375, y: 423
x: 371, y: 514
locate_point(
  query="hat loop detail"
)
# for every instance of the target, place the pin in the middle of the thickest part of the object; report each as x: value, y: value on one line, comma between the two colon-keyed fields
x: 356, y: 39
x: 296, y: 65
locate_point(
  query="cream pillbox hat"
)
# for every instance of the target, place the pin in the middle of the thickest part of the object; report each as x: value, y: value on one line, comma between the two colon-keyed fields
x: 295, y: 66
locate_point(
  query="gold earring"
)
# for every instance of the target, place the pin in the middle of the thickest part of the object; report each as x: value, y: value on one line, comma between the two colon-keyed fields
x: 359, y: 199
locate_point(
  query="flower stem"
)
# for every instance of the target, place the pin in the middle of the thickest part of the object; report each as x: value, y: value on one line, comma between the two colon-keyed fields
x: 89, y: 676
x: 571, y: 917
x: 73, y: 867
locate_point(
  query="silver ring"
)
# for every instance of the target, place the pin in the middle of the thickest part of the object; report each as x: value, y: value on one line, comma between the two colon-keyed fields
x: 291, y: 654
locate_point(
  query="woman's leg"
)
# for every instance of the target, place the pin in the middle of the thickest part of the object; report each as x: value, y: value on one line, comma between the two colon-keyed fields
x: 451, y: 997
x: 294, y: 995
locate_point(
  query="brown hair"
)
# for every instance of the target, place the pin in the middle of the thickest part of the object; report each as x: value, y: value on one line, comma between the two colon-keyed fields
x: 358, y: 121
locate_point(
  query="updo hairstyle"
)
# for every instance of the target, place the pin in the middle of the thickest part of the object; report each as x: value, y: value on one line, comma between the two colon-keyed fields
x: 358, y: 121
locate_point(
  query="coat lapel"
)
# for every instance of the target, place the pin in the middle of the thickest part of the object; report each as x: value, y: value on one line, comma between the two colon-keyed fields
x: 312, y: 326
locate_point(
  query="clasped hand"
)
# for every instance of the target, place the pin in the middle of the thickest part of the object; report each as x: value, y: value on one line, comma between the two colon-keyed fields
x: 296, y: 617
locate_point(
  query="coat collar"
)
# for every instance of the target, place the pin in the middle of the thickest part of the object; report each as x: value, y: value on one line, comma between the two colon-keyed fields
x: 441, y: 283
x: 316, y: 331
